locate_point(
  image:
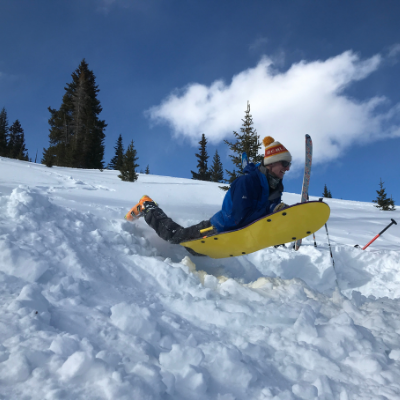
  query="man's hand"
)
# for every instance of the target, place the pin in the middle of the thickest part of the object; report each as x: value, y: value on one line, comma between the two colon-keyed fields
x: 280, y: 207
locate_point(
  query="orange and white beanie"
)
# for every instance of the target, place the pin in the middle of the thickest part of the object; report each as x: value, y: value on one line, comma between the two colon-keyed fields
x: 274, y: 151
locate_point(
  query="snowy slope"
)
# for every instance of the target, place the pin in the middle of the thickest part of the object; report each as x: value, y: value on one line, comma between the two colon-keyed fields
x: 94, y: 307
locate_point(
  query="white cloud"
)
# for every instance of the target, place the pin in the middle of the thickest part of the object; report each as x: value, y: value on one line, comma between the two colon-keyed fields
x: 308, y: 98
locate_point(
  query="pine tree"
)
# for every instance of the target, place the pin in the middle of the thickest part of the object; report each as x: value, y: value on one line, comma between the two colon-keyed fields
x: 23, y: 152
x: 12, y: 140
x: 116, y: 162
x: 16, y: 142
x: 216, y: 170
x: 3, y: 133
x: 76, y: 132
x: 147, y: 170
x: 391, y: 204
x: 382, y: 201
x: 327, y: 193
x: 247, y: 141
x: 202, y: 173
x: 48, y: 158
x: 128, y: 169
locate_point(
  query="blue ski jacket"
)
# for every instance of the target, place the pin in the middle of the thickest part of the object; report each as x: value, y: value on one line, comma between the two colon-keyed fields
x: 248, y: 199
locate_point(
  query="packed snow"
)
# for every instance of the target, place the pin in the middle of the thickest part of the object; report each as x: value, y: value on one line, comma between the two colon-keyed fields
x: 95, y: 307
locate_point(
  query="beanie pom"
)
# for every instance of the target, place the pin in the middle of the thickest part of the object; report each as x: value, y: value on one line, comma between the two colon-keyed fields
x: 268, y: 140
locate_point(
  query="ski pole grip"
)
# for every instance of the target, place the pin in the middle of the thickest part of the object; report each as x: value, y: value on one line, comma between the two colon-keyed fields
x: 393, y: 222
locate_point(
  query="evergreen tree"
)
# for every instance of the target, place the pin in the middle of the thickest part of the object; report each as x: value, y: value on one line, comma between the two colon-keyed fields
x: 3, y: 133
x: 247, y: 141
x: 12, y: 141
x: 128, y: 169
x: 202, y: 173
x: 147, y: 170
x: 76, y: 132
x: 216, y: 170
x: 116, y: 162
x: 23, y: 152
x: 327, y: 193
x: 391, y: 204
x: 48, y: 158
x: 382, y: 201
x: 16, y: 142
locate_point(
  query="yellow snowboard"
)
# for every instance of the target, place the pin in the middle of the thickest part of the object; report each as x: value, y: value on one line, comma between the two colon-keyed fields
x: 293, y: 223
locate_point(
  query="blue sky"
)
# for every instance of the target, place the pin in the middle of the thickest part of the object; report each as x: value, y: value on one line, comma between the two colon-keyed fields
x: 171, y: 70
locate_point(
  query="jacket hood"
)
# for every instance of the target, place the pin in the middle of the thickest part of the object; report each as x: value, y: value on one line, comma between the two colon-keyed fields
x: 250, y: 167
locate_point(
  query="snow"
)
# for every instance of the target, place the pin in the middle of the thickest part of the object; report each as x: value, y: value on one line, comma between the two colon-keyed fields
x: 95, y: 307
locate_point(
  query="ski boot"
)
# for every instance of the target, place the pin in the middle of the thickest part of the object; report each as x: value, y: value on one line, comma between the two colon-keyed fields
x: 138, y: 210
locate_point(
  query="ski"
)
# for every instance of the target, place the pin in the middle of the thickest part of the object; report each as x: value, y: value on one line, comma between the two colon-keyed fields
x: 306, y: 179
x: 245, y: 160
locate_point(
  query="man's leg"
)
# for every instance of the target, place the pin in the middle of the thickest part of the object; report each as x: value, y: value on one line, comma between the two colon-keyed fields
x: 164, y: 226
x: 169, y: 230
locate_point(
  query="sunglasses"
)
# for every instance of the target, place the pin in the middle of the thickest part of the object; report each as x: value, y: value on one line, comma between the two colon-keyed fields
x: 285, y: 164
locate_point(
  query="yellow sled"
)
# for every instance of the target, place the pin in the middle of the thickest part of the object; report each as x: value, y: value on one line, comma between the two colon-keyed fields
x: 293, y: 223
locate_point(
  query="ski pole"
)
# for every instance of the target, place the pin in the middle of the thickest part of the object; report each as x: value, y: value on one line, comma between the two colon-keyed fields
x: 330, y: 248
x: 321, y: 199
x: 379, y: 234
x: 329, y: 242
x: 333, y: 261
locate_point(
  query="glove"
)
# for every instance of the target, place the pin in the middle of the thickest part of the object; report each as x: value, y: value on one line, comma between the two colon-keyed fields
x: 280, y: 207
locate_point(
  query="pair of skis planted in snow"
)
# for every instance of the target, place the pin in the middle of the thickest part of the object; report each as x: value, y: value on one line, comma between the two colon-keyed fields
x: 306, y: 178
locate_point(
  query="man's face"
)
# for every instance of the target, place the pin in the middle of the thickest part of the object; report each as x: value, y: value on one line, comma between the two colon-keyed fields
x: 277, y: 169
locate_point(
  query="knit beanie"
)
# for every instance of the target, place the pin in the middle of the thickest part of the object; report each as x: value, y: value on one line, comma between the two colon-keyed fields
x: 274, y: 151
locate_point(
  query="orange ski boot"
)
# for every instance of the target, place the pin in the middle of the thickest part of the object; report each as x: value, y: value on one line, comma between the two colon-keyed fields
x: 139, y: 209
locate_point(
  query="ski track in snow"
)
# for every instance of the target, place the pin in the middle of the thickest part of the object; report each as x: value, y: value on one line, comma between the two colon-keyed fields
x: 94, y: 307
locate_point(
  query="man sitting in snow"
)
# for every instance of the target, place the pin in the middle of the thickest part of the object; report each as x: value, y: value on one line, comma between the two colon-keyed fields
x: 251, y: 196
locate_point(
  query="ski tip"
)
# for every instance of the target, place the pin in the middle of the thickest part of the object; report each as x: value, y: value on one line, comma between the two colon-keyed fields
x: 244, y: 160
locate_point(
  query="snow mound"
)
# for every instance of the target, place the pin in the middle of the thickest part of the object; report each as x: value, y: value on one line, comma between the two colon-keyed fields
x: 94, y: 307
